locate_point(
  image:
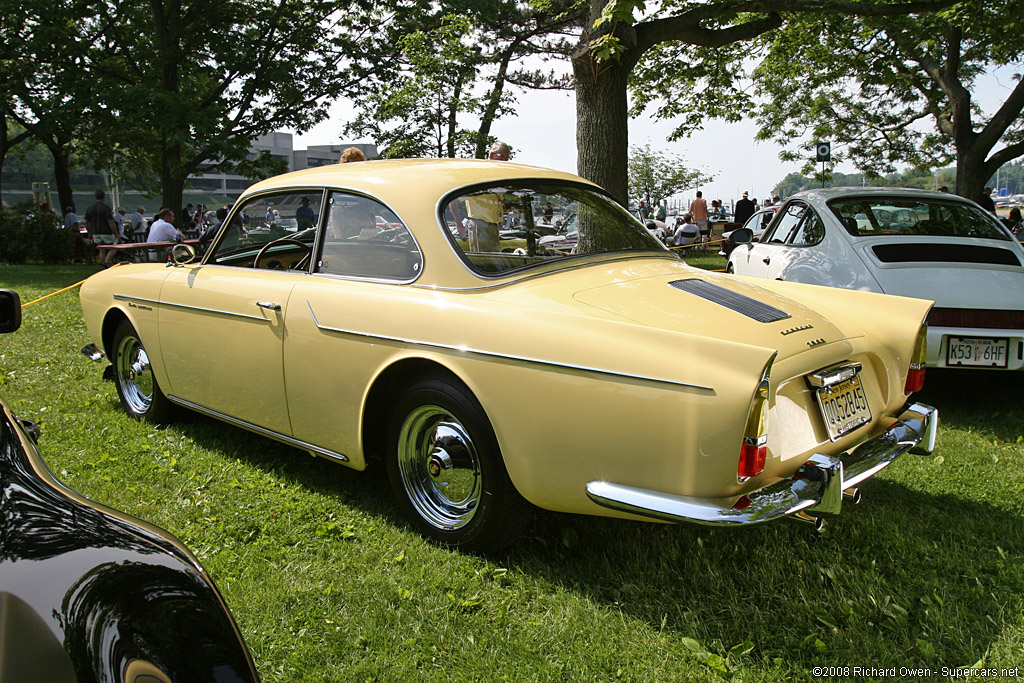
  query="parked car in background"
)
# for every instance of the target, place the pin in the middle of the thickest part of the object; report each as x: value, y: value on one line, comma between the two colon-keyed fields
x: 91, y: 594
x: 607, y: 378
x: 914, y: 243
x: 756, y: 224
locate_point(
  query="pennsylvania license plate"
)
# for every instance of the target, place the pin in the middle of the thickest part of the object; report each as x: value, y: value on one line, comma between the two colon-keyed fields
x: 844, y: 407
x: 981, y: 352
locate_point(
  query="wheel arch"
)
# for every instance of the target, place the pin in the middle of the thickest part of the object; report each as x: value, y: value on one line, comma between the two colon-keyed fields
x: 112, y: 319
x: 383, y: 392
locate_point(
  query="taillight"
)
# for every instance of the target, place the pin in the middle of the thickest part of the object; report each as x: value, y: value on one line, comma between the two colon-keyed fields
x: 915, y: 375
x: 754, y: 448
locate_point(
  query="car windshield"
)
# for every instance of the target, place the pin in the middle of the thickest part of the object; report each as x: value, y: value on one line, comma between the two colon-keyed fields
x: 926, y: 216
x: 521, y: 224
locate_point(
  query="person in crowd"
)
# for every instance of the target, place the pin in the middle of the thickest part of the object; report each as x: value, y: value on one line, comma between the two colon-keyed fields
x: 137, y: 224
x: 352, y: 154
x: 744, y: 209
x: 484, y: 211
x: 776, y: 200
x: 304, y: 215
x: 499, y: 151
x: 163, y: 229
x: 661, y: 213
x: 100, y: 225
x: 944, y: 189
x: 699, y: 213
x: 71, y: 219
x: 120, y: 224
x: 1014, y: 223
x: 644, y: 210
x: 655, y: 229
x: 187, y: 213
x: 986, y: 202
x: 687, y: 231
x: 211, y: 232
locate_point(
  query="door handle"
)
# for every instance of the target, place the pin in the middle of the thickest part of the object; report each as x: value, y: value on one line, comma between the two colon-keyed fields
x: 766, y: 260
x: 269, y: 305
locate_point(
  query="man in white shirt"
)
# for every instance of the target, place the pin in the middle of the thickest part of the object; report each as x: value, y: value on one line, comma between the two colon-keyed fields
x: 162, y: 230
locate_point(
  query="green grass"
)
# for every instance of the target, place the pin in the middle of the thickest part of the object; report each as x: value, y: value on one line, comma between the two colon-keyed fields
x: 328, y: 583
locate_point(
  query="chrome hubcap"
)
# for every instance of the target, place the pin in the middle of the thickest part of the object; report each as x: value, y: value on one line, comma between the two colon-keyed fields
x: 134, y: 375
x: 440, y: 468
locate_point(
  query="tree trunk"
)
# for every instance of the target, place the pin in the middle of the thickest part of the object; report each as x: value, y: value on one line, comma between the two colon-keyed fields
x: 62, y: 173
x: 602, y: 124
x: 971, y: 173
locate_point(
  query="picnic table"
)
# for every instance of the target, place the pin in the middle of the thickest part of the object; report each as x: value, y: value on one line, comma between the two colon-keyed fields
x: 139, y: 252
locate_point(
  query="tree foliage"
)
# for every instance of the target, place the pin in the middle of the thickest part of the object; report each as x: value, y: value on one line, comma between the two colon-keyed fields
x: 898, y: 90
x: 655, y: 175
x: 437, y: 76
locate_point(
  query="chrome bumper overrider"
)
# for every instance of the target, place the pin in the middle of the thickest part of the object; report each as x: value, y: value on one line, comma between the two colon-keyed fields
x: 817, y: 486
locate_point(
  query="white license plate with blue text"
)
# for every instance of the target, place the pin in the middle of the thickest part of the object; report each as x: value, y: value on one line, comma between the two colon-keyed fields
x: 979, y: 352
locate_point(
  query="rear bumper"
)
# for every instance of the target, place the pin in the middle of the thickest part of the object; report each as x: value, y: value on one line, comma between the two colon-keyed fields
x: 817, y: 486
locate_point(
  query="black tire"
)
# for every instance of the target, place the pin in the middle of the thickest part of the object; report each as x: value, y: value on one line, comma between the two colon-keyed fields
x: 729, y: 269
x: 446, y: 471
x: 137, y: 388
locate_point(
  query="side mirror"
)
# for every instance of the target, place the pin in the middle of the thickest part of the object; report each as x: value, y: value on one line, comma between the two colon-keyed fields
x: 182, y: 254
x: 10, y: 311
x: 742, y: 236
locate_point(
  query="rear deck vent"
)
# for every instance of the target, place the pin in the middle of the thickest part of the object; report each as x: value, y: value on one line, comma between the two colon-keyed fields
x: 752, y: 308
x: 944, y: 253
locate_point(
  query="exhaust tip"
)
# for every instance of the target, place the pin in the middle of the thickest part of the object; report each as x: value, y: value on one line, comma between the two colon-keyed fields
x: 818, y: 522
x: 854, y: 495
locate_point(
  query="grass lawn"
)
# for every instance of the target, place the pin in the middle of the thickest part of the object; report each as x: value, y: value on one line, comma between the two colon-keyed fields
x: 328, y: 583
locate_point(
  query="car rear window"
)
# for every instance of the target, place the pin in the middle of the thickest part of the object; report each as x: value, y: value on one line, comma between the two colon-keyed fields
x: 519, y: 224
x: 862, y: 216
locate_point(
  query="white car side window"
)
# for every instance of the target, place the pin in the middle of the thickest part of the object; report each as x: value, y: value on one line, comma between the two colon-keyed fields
x: 787, y: 223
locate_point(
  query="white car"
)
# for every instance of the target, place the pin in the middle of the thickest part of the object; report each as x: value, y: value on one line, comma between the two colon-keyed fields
x: 915, y: 243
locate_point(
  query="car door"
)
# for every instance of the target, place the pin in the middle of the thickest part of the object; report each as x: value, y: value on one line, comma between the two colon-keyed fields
x: 768, y: 256
x: 223, y: 323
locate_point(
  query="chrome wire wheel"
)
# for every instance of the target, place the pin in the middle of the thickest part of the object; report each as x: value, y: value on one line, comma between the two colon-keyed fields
x: 134, y: 375
x: 439, y: 467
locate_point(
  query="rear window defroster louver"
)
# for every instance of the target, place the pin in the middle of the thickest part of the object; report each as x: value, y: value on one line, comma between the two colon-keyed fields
x: 752, y: 308
x: 944, y: 253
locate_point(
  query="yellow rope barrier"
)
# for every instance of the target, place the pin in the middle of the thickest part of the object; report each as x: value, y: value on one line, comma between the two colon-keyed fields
x: 61, y: 291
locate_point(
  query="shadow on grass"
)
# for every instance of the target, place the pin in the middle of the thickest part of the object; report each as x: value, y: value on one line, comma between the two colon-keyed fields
x: 906, y: 578
x: 983, y: 400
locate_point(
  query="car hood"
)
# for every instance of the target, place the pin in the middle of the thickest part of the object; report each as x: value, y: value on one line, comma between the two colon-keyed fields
x: 954, y: 272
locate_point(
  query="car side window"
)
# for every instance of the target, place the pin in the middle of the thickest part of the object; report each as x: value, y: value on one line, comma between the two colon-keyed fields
x: 364, y: 238
x: 287, y: 218
x: 810, y: 231
x: 786, y: 223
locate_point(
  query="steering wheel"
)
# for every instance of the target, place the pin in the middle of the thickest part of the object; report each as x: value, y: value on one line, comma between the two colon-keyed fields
x: 283, y: 240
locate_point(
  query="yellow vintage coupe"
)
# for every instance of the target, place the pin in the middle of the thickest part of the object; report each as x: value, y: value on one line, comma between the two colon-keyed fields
x: 607, y: 378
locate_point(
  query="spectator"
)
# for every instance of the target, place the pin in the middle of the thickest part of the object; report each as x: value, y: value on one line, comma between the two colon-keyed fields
x: 744, y: 209
x: 986, y: 201
x: 137, y: 224
x: 352, y: 154
x: 187, y: 213
x: 214, y: 228
x: 304, y: 215
x: 645, y: 211
x: 99, y: 224
x: 499, y: 151
x: 661, y: 213
x: 162, y: 229
x: 699, y: 212
x: 71, y: 219
x: 119, y: 225
x: 687, y: 231
x: 1015, y: 224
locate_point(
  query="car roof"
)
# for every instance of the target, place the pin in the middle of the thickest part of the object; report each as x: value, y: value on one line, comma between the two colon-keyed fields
x: 825, y: 194
x: 425, y: 177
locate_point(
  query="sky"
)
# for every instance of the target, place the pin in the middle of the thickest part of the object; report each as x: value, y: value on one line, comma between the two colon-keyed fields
x: 543, y: 133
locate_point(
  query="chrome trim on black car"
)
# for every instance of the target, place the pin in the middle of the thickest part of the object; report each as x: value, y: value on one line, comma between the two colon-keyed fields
x: 263, y: 431
x: 817, y: 486
x: 504, y: 356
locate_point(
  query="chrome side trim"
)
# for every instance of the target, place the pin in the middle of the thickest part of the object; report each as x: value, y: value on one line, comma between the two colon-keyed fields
x: 817, y: 486
x: 234, y: 314
x: 262, y: 431
x: 503, y: 356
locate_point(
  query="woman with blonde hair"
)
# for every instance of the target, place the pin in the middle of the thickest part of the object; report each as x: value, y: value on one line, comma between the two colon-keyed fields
x: 352, y: 154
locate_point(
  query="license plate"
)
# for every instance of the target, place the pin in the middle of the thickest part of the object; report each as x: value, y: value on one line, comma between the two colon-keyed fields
x: 844, y: 407
x: 979, y: 352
